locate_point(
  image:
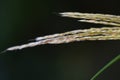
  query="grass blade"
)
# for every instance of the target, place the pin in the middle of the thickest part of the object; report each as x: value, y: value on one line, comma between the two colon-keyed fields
x: 105, y: 67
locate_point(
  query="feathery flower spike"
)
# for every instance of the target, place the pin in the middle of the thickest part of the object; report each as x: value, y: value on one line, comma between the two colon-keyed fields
x: 104, y: 33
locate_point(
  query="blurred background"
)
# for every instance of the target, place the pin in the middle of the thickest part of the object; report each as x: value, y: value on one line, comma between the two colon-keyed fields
x: 22, y: 20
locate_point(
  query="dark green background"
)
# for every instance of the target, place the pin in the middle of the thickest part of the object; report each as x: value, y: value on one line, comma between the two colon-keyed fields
x: 22, y: 20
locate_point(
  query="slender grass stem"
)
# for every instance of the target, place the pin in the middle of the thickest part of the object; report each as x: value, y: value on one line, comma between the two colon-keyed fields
x: 105, y: 67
